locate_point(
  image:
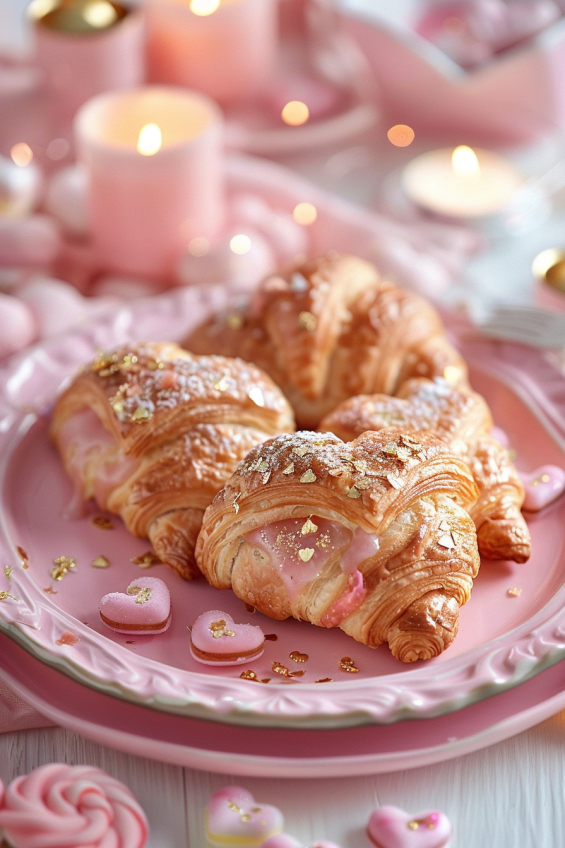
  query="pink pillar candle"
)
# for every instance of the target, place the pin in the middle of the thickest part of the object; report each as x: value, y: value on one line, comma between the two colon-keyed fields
x: 155, y: 175
x: 86, y: 47
x: 225, y: 48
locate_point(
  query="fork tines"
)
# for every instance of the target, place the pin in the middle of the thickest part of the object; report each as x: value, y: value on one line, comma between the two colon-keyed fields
x: 526, y: 324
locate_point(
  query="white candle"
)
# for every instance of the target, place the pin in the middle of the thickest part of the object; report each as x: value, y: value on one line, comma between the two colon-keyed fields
x: 86, y: 47
x: 155, y: 175
x: 225, y: 48
x: 461, y: 182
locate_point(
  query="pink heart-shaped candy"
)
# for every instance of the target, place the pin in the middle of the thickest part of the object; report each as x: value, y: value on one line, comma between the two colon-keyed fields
x: 390, y: 827
x: 234, y: 817
x: 542, y: 486
x: 144, y: 608
x: 217, y: 640
x: 283, y: 840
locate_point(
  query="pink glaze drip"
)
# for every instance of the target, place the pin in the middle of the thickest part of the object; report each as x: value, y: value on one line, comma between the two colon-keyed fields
x: 94, y: 455
x: 283, y: 542
x: 75, y: 806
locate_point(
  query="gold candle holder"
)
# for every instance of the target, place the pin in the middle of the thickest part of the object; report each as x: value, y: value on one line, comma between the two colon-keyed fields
x: 77, y: 17
x: 548, y: 269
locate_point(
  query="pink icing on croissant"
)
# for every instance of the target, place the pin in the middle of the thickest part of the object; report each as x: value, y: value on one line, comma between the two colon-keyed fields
x: 60, y: 806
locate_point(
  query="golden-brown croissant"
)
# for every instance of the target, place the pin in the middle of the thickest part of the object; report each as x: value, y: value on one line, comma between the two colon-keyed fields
x: 373, y: 536
x: 152, y: 432
x: 331, y: 329
x: 462, y: 419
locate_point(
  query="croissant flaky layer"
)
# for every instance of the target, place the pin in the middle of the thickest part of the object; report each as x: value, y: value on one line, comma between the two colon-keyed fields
x: 373, y: 536
x: 331, y: 329
x: 152, y: 432
x: 462, y: 419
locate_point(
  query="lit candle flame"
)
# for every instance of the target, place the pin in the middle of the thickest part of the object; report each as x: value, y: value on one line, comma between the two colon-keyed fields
x: 150, y: 140
x: 204, y: 7
x: 464, y: 161
x: 100, y: 14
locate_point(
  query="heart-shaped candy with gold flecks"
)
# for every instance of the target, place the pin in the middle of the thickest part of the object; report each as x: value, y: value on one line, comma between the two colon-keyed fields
x: 391, y: 827
x: 234, y: 817
x: 144, y: 608
x: 542, y: 486
x: 216, y: 639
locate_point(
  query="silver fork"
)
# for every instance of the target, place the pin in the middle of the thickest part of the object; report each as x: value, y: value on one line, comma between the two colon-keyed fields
x: 526, y: 324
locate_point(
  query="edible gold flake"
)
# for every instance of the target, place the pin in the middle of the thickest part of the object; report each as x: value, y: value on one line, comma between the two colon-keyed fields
x: 325, y: 680
x: 141, y: 595
x: 413, y: 825
x: 444, y: 526
x: 306, y: 554
x: 289, y: 469
x: 308, y: 527
x: 514, y: 592
x: 234, y: 322
x: 271, y: 637
x: 347, y: 664
x: 146, y: 560
x: 23, y: 556
x: 140, y: 415
x: 8, y: 571
x: 219, y: 629
x: 335, y: 472
x: 63, y: 565
x: 307, y: 321
x: 100, y: 562
x: 446, y: 542
x: 353, y: 492
x: 308, y: 477
x: 221, y: 384
x: 300, y: 451
x: 323, y: 541
x: 5, y: 595
x: 67, y: 638
x: 259, y: 465
x: 266, y: 477
x: 391, y: 449
x: 50, y: 591
x: 403, y: 454
x: 256, y: 395
x: 102, y: 522
x: 283, y: 671
x: 155, y: 365
x: 248, y: 674
x: 395, y: 481
x: 297, y: 657
x: 363, y: 484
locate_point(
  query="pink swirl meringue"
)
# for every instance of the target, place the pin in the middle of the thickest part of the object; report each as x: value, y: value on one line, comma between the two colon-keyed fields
x: 60, y: 806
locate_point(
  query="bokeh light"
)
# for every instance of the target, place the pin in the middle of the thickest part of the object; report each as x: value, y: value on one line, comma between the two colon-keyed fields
x: 240, y: 244
x: 295, y: 113
x: 305, y: 213
x: 401, y: 135
x: 21, y: 154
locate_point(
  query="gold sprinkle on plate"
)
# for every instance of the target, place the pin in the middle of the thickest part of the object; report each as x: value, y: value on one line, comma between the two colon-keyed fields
x: 8, y: 571
x: 102, y: 522
x: 100, y: 562
x: 297, y: 657
x: 22, y: 555
x: 308, y: 477
x: 63, y: 565
x: 308, y: 527
x: 325, y: 680
x: 146, y: 560
x: 4, y: 596
x: 514, y: 592
x: 347, y: 664
x: 306, y: 554
x: 67, y: 638
x: 50, y: 591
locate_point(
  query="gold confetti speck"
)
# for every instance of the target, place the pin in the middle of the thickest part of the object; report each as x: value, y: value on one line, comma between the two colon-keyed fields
x: 353, y: 493
x: 140, y: 415
x: 300, y: 451
x: 142, y: 596
x: 308, y: 527
x: 50, y: 591
x: 100, y: 562
x: 289, y: 469
x: 283, y: 671
x: 102, y: 522
x: 63, y: 565
x: 248, y: 674
x: 4, y: 596
x: 347, y: 664
x: 23, y: 556
x: 8, y: 571
x: 514, y: 592
x: 308, y: 477
x: 146, y: 560
x: 297, y: 657
x: 324, y: 680
x: 306, y: 554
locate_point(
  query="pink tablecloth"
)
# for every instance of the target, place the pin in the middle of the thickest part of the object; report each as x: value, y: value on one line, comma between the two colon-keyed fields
x: 17, y: 715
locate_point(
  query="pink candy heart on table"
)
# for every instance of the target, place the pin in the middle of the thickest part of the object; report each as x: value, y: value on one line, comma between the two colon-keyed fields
x: 143, y: 609
x: 391, y: 827
x: 216, y: 639
x: 283, y: 840
x: 234, y: 817
x: 542, y: 486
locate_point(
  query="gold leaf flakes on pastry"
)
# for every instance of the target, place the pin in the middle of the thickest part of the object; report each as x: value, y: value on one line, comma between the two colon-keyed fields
x: 353, y: 492
x: 256, y: 395
x: 63, y: 565
x: 307, y: 321
x: 8, y: 571
x: 260, y: 464
x: 140, y: 415
x: 308, y: 527
x: 221, y: 384
x: 446, y: 541
x: 363, y: 484
x: 102, y: 522
x: 5, y: 595
x: 306, y: 554
x: 146, y: 560
x: 444, y: 526
x: 219, y: 629
x: 100, y: 562
x: 347, y: 664
x: 300, y: 451
x: 308, y: 477
x: 360, y: 466
x: 391, y: 449
x: 395, y: 481
x: 403, y: 453
x: 289, y: 469
x: 514, y: 592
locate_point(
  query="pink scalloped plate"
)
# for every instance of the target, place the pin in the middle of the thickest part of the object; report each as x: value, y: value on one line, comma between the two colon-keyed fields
x: 503, y: 641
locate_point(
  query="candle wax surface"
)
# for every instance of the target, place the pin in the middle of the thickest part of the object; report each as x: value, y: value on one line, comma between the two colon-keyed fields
x: 430, y: 181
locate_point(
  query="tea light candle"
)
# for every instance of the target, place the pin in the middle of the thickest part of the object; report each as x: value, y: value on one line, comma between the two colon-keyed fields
x: 224, y: 48
x: 155, y: 175
x: 86, y: 47
x: 461, y: 182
